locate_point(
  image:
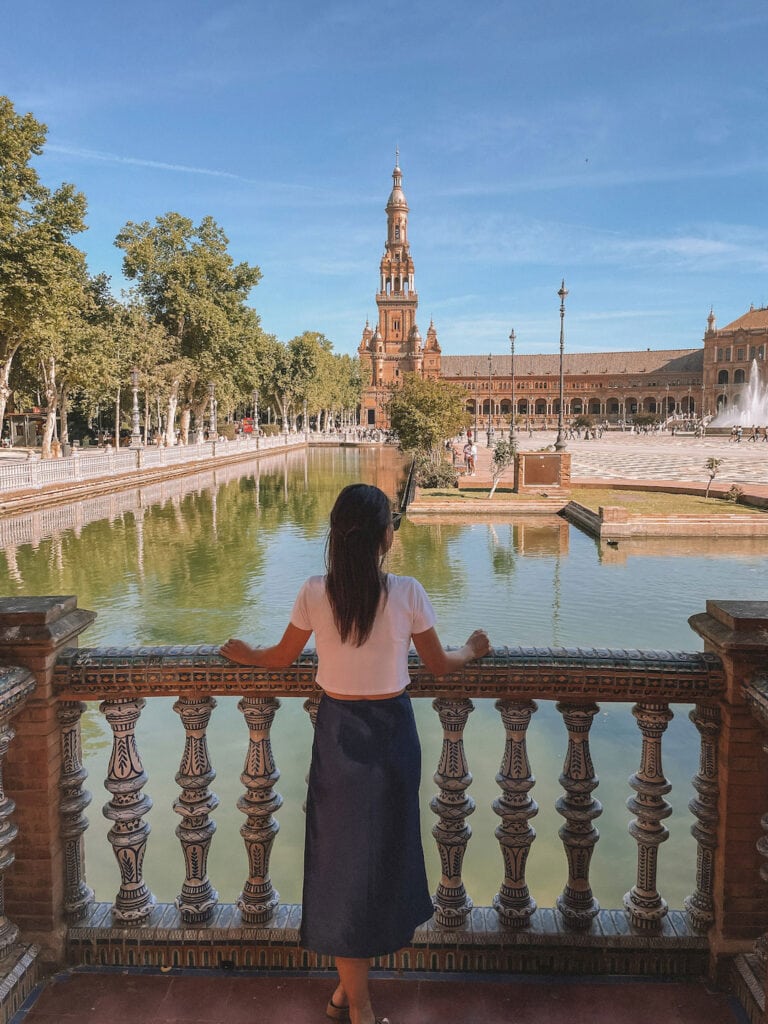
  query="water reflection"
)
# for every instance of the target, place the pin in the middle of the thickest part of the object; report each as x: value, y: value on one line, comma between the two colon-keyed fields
x: 223, y: 553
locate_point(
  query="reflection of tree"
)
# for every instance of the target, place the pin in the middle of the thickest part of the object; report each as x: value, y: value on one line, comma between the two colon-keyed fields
x: 503, y: 561
x: 163, y: 574
x: 426, y: 552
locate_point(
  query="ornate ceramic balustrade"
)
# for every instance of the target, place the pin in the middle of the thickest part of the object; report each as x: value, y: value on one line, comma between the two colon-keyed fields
x: 726, y: 686
x: 574, y: 679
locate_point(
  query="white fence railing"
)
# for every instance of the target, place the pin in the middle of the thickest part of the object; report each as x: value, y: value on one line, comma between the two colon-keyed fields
x: 35, y: 473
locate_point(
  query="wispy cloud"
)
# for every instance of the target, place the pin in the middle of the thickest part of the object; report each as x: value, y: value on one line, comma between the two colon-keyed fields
x: 161, y: 165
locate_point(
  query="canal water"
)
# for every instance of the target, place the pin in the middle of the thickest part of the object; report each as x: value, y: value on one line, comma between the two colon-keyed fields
x: 223, y: 553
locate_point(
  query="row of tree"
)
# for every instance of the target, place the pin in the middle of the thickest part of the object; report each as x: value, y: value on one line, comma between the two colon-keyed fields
x: 183, y: 325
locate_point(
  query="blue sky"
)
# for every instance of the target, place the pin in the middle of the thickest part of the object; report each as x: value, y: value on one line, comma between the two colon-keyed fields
x: 622, y: 146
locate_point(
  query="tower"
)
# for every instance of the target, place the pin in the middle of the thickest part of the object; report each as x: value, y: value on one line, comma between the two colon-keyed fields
x: 395, y: 346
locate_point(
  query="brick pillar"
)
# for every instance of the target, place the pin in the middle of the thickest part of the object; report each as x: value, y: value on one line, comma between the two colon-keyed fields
x: 32, y: 632
x: 737, y: 631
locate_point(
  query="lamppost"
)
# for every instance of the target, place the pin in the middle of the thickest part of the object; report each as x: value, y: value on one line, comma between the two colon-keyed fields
x: 212, y: 428
x: 560, y: 440
x: 136, y: 441
x: 477, y: 400
x: 305, y: 424
x: 512, y: 354
x: 666, y: 407
x: 490, y: 382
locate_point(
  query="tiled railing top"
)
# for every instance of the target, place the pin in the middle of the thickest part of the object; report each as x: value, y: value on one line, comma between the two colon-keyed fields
x: 547, y: 673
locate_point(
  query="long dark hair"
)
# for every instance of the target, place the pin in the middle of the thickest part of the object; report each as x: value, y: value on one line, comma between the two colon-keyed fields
x: 354, y: 581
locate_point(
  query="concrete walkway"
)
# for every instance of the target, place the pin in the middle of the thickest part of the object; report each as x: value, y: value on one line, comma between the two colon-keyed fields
x: 645, y: 458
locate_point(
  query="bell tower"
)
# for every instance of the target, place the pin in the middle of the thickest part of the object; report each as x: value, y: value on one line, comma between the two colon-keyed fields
x: 395, y: 347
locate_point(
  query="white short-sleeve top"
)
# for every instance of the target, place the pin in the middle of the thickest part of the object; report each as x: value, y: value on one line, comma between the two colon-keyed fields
x: 380, y: 665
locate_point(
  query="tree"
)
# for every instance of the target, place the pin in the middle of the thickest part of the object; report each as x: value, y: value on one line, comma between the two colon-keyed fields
x: 503, y: 458
x: 711, y: 466
x: 37, y: 259
x: 424, y: 412
x: 194, y: 289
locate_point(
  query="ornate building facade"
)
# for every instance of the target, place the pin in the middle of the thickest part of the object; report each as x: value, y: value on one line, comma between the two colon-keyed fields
x: 730, y: 356
x: 608, y: 386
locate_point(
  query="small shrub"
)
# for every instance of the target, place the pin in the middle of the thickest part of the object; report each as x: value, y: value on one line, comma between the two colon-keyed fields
x: 734, y: 493
x: 271, y: 429
x: 435, y: 474
x: 228, y: 430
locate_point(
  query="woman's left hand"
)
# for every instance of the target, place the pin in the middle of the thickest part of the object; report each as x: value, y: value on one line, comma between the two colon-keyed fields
x: 479, y: 643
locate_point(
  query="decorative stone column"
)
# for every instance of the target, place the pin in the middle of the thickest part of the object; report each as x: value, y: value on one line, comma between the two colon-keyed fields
x: 643, y: 902
x: 453, y: 807
x: 32, y: 632
x: 576, y: 902
x: 78, y: 897
x: 737, y: 631
x: 513, y: 902
x: 129, y: 833
x: 16, y: 685
x: 259, y: 899
x: 700, y: 906
x: 198, y: 898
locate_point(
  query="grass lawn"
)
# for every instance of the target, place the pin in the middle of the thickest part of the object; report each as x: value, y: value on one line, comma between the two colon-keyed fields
x: 660, y: 503
x: 650, y: 503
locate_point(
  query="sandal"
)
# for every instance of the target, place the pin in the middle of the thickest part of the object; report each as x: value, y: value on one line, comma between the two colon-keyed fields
x: 335, y: 1012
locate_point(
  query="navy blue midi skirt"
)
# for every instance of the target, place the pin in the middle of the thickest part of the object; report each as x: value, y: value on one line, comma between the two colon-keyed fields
x: 365, y: 886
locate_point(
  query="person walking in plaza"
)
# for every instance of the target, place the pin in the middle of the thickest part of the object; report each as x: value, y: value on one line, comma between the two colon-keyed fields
x: 365, y: 885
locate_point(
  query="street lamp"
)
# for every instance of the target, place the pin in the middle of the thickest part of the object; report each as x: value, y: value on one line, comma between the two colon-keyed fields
x: 305, y: 424
x: 212, y: 428
x: 477, y: 399
x: 512, y: 354
x: 490, y: 382
x: 560, y: 440
x: 136, y: 441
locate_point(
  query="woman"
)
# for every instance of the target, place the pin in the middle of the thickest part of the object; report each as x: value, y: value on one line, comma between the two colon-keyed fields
x: 365, y: 886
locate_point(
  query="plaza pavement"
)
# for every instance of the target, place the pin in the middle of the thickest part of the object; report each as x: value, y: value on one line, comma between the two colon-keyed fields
x: 646, y: 459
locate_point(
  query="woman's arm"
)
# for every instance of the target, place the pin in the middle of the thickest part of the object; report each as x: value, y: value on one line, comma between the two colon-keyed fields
x: 439, y: 661
x: 281, y: 655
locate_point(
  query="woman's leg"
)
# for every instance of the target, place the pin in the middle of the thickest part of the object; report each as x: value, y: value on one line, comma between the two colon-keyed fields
x: 353, y: 988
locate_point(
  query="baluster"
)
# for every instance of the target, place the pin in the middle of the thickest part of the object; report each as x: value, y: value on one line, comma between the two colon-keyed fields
x: 129, y: 834
x: 645, y: 905
x: 761, y: 943
x: 453, y: 807
x: 74, y: 800
x: 576, y: 902
x: 197, y: 898
x: 9, y: 932
x: 311, y: 705
x: 513, y: 902
x: 259, y: 900
x: 700, y: 904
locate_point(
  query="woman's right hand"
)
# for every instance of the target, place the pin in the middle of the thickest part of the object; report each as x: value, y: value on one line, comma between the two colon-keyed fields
x: 479, y: 643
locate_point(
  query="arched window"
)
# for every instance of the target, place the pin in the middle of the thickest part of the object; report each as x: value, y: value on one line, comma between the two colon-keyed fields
x: 722, y: 377
x: 397, y: 232
x: 738, y: 377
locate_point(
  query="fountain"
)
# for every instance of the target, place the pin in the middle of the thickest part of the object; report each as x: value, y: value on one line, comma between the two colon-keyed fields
x: 750, y: 407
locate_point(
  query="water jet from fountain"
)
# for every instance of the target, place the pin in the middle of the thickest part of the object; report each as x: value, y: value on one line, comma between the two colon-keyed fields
x: 750, y: 408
